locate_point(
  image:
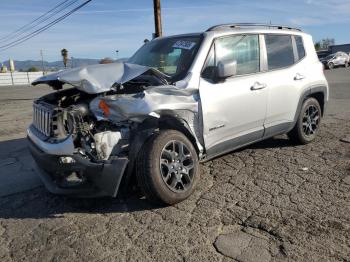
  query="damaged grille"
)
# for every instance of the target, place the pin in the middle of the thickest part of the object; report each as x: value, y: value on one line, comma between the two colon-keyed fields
x: 42, y: 119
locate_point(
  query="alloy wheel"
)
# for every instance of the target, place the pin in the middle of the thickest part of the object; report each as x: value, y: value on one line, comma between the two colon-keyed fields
x: 311, y: 120
x: 176, y: 166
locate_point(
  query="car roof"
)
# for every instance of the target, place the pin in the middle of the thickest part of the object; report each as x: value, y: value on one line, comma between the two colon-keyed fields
x: 224, y: 32
x: 243, y: 28
x: 250, y: 25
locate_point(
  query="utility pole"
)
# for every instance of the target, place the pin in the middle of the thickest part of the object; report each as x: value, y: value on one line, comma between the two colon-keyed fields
x: 157, y: 19
x: 42, y: 60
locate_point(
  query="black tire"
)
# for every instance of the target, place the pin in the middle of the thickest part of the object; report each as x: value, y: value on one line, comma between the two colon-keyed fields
x: 347, y: 65
x: 158, y: 168
x: 308, y: 122
x: 331, y: 66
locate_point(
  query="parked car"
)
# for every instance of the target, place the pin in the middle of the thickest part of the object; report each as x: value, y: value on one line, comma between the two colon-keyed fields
x: 178, y: 101
x: 335, y: 60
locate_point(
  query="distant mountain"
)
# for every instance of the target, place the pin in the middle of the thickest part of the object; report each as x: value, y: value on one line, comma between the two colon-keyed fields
x: 52, y: 66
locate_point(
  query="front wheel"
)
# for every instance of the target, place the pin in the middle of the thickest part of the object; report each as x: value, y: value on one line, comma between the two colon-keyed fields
x: 308, y: 122
x: 330, y: 65
x: 167, y: 167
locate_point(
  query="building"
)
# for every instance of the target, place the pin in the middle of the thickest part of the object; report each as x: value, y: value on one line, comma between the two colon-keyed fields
x: 339, y: 48
x: 332, y: 49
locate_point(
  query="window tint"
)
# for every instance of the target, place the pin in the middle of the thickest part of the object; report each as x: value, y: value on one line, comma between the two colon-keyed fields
x: 279, y: 51
x: 300, y: 47
x: 244, y: 49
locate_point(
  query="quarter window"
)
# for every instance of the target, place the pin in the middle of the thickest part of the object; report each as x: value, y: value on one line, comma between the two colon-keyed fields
x: 300, y: 47
x: 244, y: 49
x: 279, y: 51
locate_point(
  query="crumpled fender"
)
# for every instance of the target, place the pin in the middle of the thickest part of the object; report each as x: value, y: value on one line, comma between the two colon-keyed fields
x: 154, y: 101
x: 158, y: 101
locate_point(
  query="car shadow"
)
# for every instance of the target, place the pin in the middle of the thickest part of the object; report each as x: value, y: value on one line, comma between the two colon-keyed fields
x: 274, y: 142
x: 38, y: 203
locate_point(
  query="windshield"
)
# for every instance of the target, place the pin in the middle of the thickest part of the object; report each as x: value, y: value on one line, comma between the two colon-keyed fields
x: 172, y: 56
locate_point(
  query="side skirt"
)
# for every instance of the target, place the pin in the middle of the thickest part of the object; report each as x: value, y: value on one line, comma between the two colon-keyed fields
x: 245, y: 140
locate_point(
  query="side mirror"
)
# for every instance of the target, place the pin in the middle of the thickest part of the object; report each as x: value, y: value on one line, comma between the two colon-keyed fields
x: 226, y: 69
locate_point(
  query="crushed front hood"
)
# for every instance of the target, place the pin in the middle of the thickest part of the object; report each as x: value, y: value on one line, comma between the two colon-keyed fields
x: 95, y: 79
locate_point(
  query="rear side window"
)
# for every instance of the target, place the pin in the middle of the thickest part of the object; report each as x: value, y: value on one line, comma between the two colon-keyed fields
x: 300, y: 47
x: 279, y: 51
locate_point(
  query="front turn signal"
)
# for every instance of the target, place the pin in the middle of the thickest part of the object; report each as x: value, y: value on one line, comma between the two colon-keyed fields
x: 104, y: 107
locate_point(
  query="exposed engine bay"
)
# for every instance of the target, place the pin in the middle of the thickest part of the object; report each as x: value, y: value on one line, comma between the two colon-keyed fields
x: 93, y: 139
x: 100, y: 124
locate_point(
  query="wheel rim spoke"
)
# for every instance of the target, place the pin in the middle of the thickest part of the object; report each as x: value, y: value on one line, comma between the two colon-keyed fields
x: 173, y: 182
x: 189, y: 166
x: 187, y: 178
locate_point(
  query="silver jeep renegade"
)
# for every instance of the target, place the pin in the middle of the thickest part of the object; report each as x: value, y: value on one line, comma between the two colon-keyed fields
x: 178, y: 101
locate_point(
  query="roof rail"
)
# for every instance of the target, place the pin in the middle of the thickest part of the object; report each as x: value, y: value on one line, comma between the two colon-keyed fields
x: 249, y: 25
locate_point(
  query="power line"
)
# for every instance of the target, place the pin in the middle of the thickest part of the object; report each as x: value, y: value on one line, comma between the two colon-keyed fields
x: 27, y: 28
x: 36, y: 21
x: 42, y: 29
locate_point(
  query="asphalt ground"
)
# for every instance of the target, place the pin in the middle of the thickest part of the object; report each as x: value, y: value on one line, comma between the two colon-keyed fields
x: 271, y: 201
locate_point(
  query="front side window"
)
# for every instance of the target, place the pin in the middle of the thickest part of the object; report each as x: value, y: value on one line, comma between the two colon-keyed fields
x: 300, y: 47
x: 172, y: 56
x: 244, y: 49
x: 279, y: 51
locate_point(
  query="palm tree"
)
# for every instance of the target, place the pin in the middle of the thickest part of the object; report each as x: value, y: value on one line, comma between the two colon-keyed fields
x: 64, y: 53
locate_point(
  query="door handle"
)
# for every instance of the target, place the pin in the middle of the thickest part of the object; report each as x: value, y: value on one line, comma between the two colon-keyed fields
x: 299, y: 77
x: 258, y: 86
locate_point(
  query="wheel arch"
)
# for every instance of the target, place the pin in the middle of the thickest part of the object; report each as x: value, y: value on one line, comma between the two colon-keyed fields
x: 319, y: 92
x: 146, y: 129
x: 319, y: 96
x: 181, y: 125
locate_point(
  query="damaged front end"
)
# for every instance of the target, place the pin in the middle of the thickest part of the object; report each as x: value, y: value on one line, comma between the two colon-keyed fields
x: 85, y: 139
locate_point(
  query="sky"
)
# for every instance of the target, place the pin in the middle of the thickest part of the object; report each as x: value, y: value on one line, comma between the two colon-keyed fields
x: 104, y: 26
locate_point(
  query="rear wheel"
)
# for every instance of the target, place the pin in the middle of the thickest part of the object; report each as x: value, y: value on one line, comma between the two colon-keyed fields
x: 308, y: 122
x: 330, y: 65
x: 167, y: 167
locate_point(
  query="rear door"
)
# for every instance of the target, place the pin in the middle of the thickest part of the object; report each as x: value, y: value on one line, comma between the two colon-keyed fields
x: 285, y: 78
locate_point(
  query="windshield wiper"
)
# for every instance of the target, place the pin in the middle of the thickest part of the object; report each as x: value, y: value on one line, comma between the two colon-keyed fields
x: 163, y: 77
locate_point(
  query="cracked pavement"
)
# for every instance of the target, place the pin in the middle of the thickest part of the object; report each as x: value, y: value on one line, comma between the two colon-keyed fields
x: 271, y: 201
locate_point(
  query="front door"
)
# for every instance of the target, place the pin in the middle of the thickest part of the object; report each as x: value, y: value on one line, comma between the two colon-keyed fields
x: 234, y: 108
